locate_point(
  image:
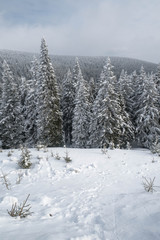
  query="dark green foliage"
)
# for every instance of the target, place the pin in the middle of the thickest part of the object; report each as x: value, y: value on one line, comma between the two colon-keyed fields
x: 49, y: 116
x: 11, y: 119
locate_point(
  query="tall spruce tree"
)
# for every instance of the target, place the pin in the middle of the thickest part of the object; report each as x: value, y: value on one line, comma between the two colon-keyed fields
x: 68, y: 107
x: 156, y: 79
x: 49, y: 120
x: 110, y: 122
x: 126, y: 88
x: 30, y: 106
x: 11, y: 120
x: 147, y: 114
x: 81, y: 114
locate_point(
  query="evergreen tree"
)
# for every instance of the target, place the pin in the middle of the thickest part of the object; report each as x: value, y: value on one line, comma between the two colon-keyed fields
x: 92, y: 90
x: 147, y: 115
x: 110, y: 122
x: 49, y: 121
x: 76, y: 71
x: 127, y: 88
x: 81, y: 114
x: 156, y: 79
x: 11, y: 121
x: 68, y: 107
x: 30, y: 106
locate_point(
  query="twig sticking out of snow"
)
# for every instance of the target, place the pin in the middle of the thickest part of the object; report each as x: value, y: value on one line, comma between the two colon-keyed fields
x: 149, y: 184
x: 22, y: 211
x: 6, y: 182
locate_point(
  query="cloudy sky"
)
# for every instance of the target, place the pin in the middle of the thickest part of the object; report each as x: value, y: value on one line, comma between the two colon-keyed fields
x: 128, y: 28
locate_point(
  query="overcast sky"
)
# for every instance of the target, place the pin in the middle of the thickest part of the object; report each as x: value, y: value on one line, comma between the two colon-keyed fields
x: 127, y: 28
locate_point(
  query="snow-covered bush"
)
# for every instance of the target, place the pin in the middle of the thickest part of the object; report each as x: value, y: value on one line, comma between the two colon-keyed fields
x: 57, y: 157
x: 24, y: 161
x: 67, y: 157
x: 5, y: 180
x: 22, y: 211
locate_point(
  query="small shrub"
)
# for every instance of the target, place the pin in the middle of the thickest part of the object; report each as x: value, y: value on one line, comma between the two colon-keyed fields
x: 155, y: 148
x: 57, y: 157
x: 128, y: 146
x: 9, y: 154
x: 153, y: 160
x: 67, y: 157
x: 24, y: 161
x: 148, y: 184
x: 19, y: 179
x: 111, y: 145
x: 104, y: 149
x: 22, y: 211
x: 5, y: 180
x: 40, y: 146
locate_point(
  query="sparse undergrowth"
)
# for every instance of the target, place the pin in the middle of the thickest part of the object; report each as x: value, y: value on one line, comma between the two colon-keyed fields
x: 148, y: 184
x: 24, y: 161
x: 67, y: 157
x: 22, y: 210
x: 5, y: 180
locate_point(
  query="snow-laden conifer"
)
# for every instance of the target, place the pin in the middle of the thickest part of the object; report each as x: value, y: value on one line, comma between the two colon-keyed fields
x: 68, y: 106
x: 30, y: 106
x: 81, y: 114
x: 147, y: 114
x: 110, y: 122
x: 11, y: 120
x: 49, y: 121
x: 126, y: 83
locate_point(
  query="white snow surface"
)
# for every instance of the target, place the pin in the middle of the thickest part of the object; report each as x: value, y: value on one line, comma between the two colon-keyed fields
x: 95, y: 197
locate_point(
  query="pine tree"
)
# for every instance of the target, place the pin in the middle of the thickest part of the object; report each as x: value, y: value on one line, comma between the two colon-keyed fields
x: 110, y: 122
x: 92, y: 90
x: 81, y: 114
x: 30, y: 106
x: 147, y: 114
x: 11, y: 120
x: 156, y: 79
x: 68, y: 107
x: 126, y: 88
x: 49, y: 121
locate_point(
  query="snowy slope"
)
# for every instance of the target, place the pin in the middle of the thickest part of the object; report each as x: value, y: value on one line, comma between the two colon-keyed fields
x: 95, y: 197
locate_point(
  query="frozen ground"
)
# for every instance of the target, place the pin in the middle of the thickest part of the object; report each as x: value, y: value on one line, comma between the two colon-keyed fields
x: 95, y: 197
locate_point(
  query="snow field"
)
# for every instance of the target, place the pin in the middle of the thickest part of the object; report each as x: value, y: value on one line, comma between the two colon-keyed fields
x: 95, y: 197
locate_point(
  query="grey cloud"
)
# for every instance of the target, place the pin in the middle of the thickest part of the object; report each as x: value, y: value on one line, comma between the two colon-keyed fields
x: 104, y: 27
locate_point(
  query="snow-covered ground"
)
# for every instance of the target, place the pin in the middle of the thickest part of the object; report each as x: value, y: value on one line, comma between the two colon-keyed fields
x: 95, y: 197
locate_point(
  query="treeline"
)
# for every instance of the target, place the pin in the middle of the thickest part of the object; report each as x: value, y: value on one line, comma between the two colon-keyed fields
x: 107, y: 111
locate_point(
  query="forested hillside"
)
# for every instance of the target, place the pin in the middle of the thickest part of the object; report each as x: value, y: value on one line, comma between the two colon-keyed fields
x: 81, y: 102
x: 20, y: 63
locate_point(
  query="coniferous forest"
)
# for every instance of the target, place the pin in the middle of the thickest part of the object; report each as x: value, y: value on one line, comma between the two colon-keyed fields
x: 109, y: 110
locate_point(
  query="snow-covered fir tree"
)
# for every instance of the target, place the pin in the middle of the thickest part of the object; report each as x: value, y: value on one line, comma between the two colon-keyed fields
x: 81, y: 114
x: 110, y: 122
x: 68, y: 107
x: 127, y: 90
x: 49, y: 120
x: 147, y: 114
x: 156, y: 79
x: 11, y: 120
x: 75, y: 72
x: 92, y: 90
x: 30, y: 106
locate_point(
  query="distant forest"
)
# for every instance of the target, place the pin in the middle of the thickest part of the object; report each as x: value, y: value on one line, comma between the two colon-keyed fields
x: 20, y: 63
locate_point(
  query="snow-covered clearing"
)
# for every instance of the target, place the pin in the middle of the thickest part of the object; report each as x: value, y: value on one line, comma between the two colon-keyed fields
x: 96, y: 196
